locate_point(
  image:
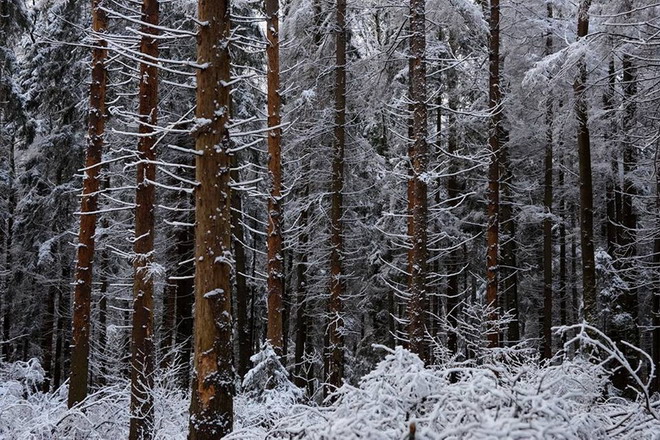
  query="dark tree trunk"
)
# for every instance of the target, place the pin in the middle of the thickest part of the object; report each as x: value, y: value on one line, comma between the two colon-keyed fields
x: 586, y: 186
x: 302, y: 330
x: 563, y: 274
x: 168, y: 323
x: 47, y: 333
x: 142, y: 334
x: 335, y: 360
x: 509, y: 245
x: 494, y: 104
x: 185, y: 296
x: 453, y: 193
x: 242, y: 292
x: 612, y: 232
x: 547, y: 221
x: 629, y: 303
x: 417, y: 302
x: 656, y: 287
x: 8, y: 278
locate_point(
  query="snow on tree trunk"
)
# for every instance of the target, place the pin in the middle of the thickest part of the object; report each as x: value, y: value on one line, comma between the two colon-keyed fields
x: 211, y: 408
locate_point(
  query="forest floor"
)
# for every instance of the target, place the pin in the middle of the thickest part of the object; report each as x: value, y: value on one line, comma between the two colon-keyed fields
x: 507, y: 395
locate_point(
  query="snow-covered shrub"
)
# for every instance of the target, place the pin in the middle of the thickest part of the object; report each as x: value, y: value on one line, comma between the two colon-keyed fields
x: 519, y: 400
x: 103, y: 415
x: 21, y: 377
x: 267, y: 393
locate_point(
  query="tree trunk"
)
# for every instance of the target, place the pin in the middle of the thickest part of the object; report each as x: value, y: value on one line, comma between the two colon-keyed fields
x: 47, y: 334
x: 547, y: 221
x: 509, y: 245
x: 286, y: 304
x: 453, y: 193
x: 300, y: 366
x: 629, y: 301
x: 168, y: 323
x: 211, y: 408
x: 275, y: 267
x: 103, y: 293
x: 242, y: 293
x: 563, y: 292
x: 8, y: 278
x: 586, y: 188
x: 185, y: 293
x: 611, y: 186
x: 417, y: 302
x: 103, y: 318
x: 494, y: 104
x: 335, y: 370
x: 142, y: 335
x: 89, y: 205
x: 656, y: 287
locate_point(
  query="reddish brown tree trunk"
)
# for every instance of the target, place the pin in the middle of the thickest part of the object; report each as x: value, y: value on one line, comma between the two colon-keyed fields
x: 494, y: 104
x: 211, y: 408
x: 417, y: 302
x: 89, y: 205
x: 275, y: 267
x: 142, y: 343
x: 335, y: 370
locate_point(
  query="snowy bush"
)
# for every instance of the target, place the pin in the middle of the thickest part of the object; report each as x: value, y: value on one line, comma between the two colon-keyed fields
x: 103, y: 415
x: 512, y: 400
x: 267, y: 393
x: 506, y: 395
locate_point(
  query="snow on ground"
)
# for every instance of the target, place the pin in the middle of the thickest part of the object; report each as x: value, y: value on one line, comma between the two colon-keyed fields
x: 506, y: 396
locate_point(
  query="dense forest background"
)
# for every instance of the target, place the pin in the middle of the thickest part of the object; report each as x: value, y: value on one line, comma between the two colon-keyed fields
x: 459, y: 177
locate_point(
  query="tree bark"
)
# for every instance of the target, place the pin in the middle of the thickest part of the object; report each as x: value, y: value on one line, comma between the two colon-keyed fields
x: 88, y: 210
x: 656, y: 288
x: 211, y: 408
x: 300, y: 366
x: 242, y: 292
x: 47, y: 334
x: 8, y: 278
x: 275, y: 267
x: 417, y: 302
x: 612, y: 189
x: 453, y: 193
x: 494, y: 104
x: 547, y: 221
x: 335, y: 370
x: 586, y: 186
x: 629, y: 301
x: 168, y: 322
x: 563, y: 245
x: 142, y: 334
x: 509, y: 244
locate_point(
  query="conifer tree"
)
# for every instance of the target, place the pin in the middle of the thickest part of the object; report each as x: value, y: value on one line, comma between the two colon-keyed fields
x: 211, y: 407
x: 82, y: 296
